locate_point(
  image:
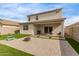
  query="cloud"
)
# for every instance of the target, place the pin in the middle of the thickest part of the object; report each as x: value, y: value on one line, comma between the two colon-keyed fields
x: 71, y: 20
x: 19, y: 11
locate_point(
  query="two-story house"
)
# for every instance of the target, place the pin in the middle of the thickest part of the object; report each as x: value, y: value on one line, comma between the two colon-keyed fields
x: 48, y: 22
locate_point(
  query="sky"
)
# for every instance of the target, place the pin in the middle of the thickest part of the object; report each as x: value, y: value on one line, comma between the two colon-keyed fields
x: 19, y: 11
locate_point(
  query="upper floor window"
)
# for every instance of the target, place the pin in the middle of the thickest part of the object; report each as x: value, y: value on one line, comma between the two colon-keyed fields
x: 36, y: 17
x: 25, y: 27
x: 29, y: 18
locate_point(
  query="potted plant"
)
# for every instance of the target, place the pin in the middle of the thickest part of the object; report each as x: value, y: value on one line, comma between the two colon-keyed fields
x: 59, y: 34
x: 50, y: 36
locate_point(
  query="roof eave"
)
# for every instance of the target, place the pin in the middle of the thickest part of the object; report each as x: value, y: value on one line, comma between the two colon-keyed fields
x: 44, y: 12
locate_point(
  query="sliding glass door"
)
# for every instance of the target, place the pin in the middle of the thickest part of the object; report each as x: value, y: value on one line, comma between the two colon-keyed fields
x: 48, y: 29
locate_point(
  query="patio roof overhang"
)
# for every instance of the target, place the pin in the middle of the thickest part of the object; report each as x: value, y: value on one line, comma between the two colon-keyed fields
x: 57, y: 20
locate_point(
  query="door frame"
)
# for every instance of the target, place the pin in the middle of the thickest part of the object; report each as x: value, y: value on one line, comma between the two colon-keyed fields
x: 48, y: 29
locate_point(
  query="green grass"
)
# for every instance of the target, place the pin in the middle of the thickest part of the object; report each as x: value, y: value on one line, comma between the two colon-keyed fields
x: 74, y: 44
x: 9, y: 51
x: 20, y: 35
x: 2, y: 37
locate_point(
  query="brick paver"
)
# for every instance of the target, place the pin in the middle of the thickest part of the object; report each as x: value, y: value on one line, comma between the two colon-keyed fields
x: 37, y: 46
x: 42, y: 47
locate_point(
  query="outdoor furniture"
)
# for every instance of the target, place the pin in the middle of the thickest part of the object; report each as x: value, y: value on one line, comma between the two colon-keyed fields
x: 27, y: 39
x: 38, y: 32
x: 10, y: 37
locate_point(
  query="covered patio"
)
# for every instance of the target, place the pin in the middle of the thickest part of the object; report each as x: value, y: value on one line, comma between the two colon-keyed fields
x: 53, y: 27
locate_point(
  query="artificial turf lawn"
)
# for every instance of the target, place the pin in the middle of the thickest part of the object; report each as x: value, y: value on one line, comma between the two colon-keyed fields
x: 74, y: 44
x: 9, y: 51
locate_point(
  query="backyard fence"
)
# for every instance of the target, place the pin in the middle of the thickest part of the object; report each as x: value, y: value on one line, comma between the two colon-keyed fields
x: 73, y: 32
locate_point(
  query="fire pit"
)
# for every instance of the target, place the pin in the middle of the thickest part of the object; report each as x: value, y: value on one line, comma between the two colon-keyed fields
x: 27, y: 39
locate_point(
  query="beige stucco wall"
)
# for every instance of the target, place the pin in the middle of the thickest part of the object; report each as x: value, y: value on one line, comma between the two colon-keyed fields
x: 29, y: 31
x: 6, y: 29
x: 73, y: 31
x: 57, y: 27
x: 46, y: 16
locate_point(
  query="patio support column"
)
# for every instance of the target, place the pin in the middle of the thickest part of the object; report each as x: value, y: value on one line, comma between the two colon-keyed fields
x: 32, y: 28
x: 62, y: 28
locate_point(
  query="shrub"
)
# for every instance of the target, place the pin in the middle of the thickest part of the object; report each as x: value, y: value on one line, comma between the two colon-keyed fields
x: 49, y: 36
x: 17, y: 31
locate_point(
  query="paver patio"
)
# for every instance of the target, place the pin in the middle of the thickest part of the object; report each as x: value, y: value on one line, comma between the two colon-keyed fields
x: 39, y: 46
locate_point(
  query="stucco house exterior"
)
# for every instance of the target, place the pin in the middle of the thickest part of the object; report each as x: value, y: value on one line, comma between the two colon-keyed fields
x: 8, y: 27
x: 48, y: 22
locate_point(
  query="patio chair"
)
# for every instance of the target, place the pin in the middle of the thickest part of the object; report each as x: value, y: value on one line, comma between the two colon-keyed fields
x: 10, y: 37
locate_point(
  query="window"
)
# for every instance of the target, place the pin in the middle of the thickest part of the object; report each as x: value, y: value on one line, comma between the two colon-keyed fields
x: 36, y: 17
x: 29, y: 18
x: 25, y: 27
